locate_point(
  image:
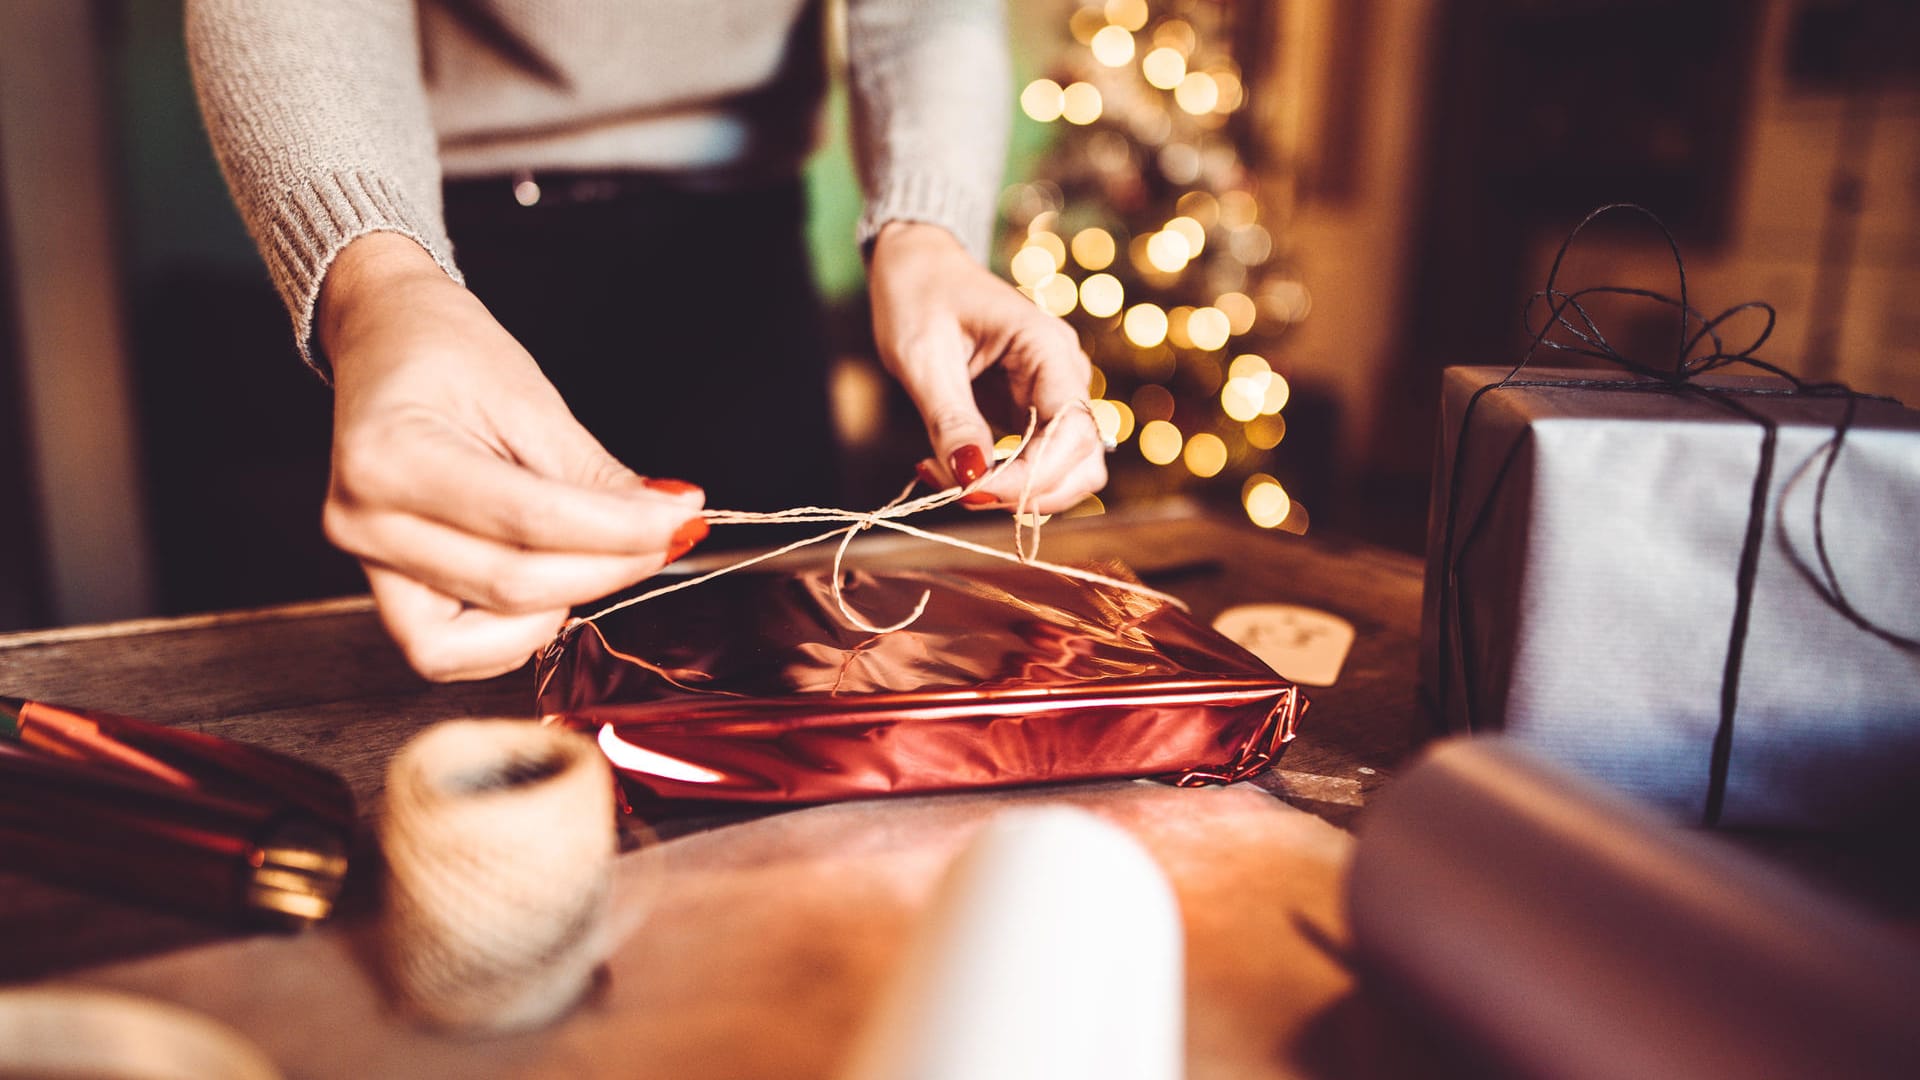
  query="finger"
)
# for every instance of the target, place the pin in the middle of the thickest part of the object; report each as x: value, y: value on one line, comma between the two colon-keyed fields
x: 935, y: 376
x: 445, y: 641
x: 450, y: 479
x: 1057, y: 469
x: 486, y: 573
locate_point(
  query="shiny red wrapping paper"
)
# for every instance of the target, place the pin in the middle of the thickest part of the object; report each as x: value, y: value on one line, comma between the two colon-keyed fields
x: 752, y: 688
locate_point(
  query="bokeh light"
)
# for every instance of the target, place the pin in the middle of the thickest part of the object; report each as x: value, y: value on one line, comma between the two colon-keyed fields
x: 1168, y: 251
x: 1004, y: 446
x: 1177, y: 327
x: 1286, y: 300
x: 1056, y: 295
x: 1192, y: 231
x: 1160, y: 442
x: 1031, y: 265
x: 1197, y: 93
x: 1093, y: 248
x: 1043, y: 100
x: 1266, y: 501
x: 1205, y: 455
x: 1201, y: 206
x: 1087, y: 22
x: 1239, y: 309
x: 1265, y: 432
x: 1238, y: 209
x: 1102, y: 295
x: 1164, y: 67
x: 1131, y: 14
x: 1080, y: 103
x: 1176, y: 34
x: 1108, y: 418
x: 1277, y: 395
x: 1153, y: 402
x: 1112, y: 45
x: 1232, y: 92
x: 1249, y: 366
x: 1091, y: 506
x: 1145, y: 325
x: 1251, y: 244
x: 1096, y: 380
x: 1209, y: 329
x: 1052, y: 245
x: 1240, y: 399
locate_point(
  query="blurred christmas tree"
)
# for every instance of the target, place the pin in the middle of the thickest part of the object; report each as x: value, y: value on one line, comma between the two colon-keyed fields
x: 1144, y: 229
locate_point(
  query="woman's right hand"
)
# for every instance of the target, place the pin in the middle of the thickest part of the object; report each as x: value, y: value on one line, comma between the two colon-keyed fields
x: 479, y: 507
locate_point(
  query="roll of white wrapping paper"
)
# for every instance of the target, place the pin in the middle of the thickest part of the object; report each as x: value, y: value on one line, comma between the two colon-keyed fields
x: 499, y: 837
x: 1053, y: 949
x: 1563, y: 931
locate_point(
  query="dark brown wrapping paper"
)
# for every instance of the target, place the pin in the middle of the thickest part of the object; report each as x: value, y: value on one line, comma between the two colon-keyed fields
x: 1598, y: 536
x: 751, y: 688
x: 1562, y: 931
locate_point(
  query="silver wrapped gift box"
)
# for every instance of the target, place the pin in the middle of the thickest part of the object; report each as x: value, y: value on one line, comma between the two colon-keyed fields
x: 1586, y: 606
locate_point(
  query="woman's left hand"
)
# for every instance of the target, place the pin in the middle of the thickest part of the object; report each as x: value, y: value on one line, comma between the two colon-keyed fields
x: 940, y: 319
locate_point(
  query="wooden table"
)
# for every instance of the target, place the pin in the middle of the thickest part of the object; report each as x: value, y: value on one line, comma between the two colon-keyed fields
x: 321, y: 681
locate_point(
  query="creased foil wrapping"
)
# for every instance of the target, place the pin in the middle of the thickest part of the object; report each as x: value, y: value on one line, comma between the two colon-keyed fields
x: 751, y: 688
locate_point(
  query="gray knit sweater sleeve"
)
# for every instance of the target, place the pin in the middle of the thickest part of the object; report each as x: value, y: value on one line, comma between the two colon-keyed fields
x: 932, y: 109
x: 318, y: 115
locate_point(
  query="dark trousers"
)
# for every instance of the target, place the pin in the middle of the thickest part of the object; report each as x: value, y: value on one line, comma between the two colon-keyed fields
x: 682, y: 327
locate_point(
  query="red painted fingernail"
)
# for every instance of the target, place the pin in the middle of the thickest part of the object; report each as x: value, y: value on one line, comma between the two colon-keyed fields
x: 688, y: 534
x: 979, y: 498
x: 667, y: 485
x: 969, y: 464
x: 927, y: 475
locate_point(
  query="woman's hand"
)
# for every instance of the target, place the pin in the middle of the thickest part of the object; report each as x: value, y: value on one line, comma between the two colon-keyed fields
x: 480, y: 508
x: 941, y: 319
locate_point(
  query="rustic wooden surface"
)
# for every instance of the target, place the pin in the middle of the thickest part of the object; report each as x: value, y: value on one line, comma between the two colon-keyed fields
x: 322, y: 682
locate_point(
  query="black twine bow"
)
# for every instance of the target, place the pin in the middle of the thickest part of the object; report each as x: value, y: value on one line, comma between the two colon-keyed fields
x: 1568, y: 311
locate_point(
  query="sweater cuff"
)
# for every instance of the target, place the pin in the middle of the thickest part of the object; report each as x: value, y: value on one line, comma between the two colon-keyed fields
x: 322, y: 216
x: 933, y: 199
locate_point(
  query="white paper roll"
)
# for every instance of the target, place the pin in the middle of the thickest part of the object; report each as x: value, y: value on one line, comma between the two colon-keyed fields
x: 1052, y: 950
x: 499, y: 837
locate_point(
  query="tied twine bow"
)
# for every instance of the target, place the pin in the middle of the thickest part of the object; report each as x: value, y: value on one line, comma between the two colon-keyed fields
x: 851, y: 523
x: 1568, y: 311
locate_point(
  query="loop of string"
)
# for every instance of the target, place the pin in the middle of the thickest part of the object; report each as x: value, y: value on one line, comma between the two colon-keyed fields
x: 1568, y: 311
x: 851, y: 523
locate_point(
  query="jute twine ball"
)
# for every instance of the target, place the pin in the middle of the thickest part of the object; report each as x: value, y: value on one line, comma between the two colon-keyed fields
x: 499, y: 837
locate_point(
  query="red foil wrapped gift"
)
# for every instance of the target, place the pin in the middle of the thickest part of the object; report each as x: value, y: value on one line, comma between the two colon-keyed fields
x: 752, y: 688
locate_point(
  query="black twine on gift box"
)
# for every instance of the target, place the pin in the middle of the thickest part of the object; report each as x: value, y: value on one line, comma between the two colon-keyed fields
x: 1568, y: 311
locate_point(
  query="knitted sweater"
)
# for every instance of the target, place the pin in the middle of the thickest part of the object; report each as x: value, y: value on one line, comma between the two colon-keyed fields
x: 337, y: 118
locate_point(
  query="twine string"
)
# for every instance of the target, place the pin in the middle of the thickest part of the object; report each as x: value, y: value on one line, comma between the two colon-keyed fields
x: 1568, y: 311
x: 851, y: 523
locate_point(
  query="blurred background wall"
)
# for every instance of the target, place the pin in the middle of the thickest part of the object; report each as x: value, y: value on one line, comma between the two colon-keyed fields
x: 1413, y: 163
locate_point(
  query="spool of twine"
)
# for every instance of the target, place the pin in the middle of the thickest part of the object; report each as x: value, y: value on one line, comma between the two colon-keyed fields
x: 499, y: 837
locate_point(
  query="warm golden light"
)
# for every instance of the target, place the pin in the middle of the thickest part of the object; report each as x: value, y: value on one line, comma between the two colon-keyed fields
x: 1205, y: 455
x: 1145, y: 325
x: 1164, y: 67
x: 1249, y: 366
x: 1157, y: 364
x: 1102, y: 295
x: 1238, y: 209
x: 1268, y: 504
x: 1201, y: 206
x: 1177, y: 328
x: 1097, y: 380
x: 1129, y: 14
x: 1042, y: 100
x: 1080, y: 103
x: 1251, y: 245
x: 1052, y: 245
x: 1239, y: 309
x: 1286, y: 301
x: 1125, y: 413
x: 1265, y: 432
x: 1209, y: 329
x: 1091, y: 506
x: 1192, y: 231
x: 1153, y: 402
x: 1112, y: 45
x: 1278, y: 393
x: 1197, y: 93
x: 1180, y: 162
x: 1160, y: 442
x: 1176, y: 34
x: 1240, y: 399
x: 1085, y: 23
x: 1168, y: 251
x: 1056, y: 295
x: 1004, y: 446
x: 1031, y: 265
x: 1232, y: 92
x: 1106, y: 418
x: 1093, y: 248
